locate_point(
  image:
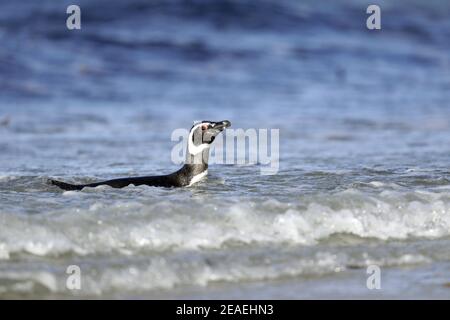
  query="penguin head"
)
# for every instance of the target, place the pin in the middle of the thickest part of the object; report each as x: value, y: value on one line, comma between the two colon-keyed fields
x: 202, y: 134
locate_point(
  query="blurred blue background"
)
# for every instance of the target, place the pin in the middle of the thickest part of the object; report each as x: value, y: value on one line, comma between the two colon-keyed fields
x: 311, y: 69
x: 364, y: 121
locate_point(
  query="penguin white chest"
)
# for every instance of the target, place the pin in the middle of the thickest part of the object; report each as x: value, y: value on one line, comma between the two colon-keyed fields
x: 198, y: 177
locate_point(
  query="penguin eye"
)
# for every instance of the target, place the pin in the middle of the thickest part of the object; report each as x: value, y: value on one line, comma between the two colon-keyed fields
x: 204, y: 127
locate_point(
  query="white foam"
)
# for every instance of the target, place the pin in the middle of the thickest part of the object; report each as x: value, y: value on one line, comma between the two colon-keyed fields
x: 71, y: 193
x: 169, y: 226
x: 166, y: 273
x: 377, y: 184
x: 6, y: 178
x: 4, y: 254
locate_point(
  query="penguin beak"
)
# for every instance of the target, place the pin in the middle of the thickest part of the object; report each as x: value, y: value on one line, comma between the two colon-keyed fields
x: 221, y: 125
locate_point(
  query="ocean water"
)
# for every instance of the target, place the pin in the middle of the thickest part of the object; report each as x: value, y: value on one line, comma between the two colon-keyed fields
x: 364, y: 177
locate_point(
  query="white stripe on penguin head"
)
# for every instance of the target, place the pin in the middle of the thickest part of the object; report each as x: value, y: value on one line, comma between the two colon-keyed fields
x: 192, y: 148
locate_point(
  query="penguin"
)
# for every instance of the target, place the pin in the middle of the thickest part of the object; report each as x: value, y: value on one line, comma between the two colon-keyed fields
x: 200, y: 138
